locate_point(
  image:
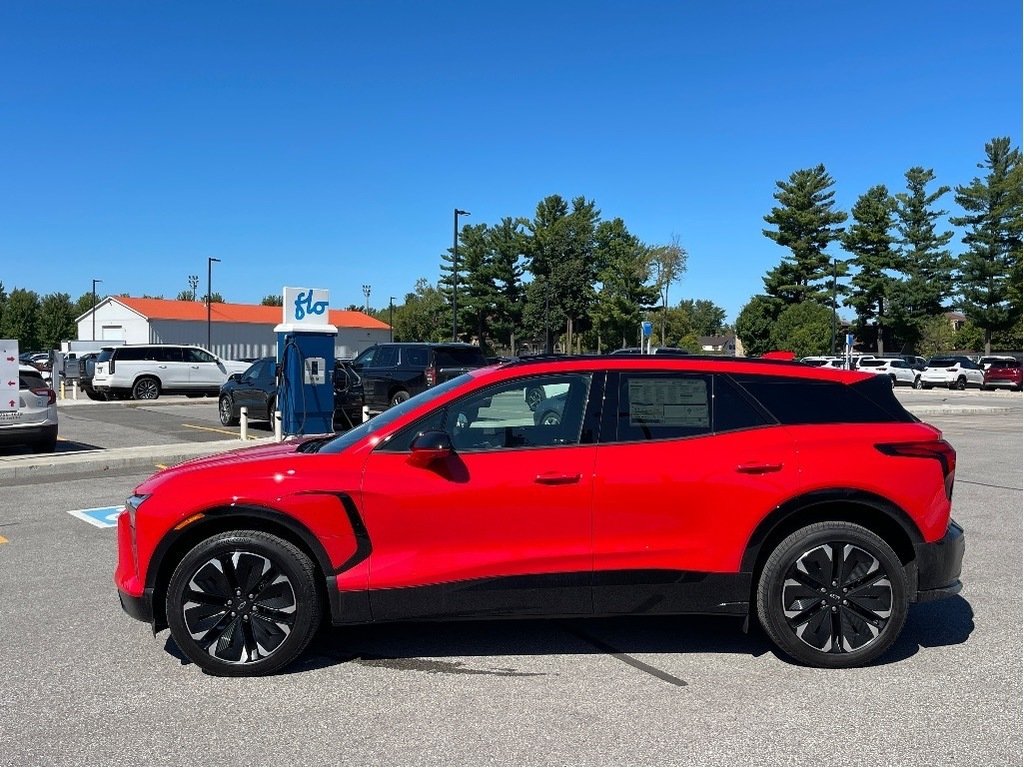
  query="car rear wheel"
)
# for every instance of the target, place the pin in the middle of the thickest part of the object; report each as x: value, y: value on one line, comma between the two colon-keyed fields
x: 226, y: 411
x: 146, y: 388
x: 892, y: 381
x: 399, y: 396
x: 551, y: 418
x: 243, y: 603
x: 960, y: 383
x: 833, y: 594
x: 917, y: 382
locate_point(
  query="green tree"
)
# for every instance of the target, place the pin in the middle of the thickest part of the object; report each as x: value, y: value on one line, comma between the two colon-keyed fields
x: 84, y: 303
x: 669, y: 263
x: 625, y: 268
x: 755, y: 323
x: 805, y: 220
x: 424, y: 316
x: 20, y: 319
x: 936, y: 336
x: 477, y: 293
x: 706, y: 317
x: 3, y: 299
x: 870, y: 242
x: 923, y: 260
x: 505, y: 267
x: 272, y: 300
x: 990, y: 268
x: 803, y: 329
x: 56, y: 320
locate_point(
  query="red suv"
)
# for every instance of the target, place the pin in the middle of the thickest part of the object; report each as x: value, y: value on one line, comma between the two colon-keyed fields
x: 805, y: 497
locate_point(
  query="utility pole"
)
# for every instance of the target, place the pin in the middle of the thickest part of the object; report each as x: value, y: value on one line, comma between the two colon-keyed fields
x: 209, y: 294
x: 94, y: 308
x: 455, y: 273
x: 366, y: 297
x: 391, y: 318
x: 833, y: 345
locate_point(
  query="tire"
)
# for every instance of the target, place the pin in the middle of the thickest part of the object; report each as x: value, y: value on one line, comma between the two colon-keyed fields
x: 986, y: 388
x: 892, y: 381
x: 146, y: 388
x: 551, y: 418
x: 821, y: 624
x: 399, y: 396
x: 232, y: 631
x: 271, y: 407
x: 926, y: 386
x: 533, y: 397
x: 917, y: 382
x: 960, y: 384
x: 46, y: 446
x: 92, y: 394
x: 226, y: 411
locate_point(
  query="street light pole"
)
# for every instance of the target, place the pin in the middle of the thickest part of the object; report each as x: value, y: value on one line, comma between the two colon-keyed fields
x: 209, y: 294
x: 391, y: 318
x: 366, y: 297
x: 94, y: 307
x: 455, y: 273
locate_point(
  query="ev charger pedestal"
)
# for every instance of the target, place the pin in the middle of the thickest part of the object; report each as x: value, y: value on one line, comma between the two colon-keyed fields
x: 305, y: 392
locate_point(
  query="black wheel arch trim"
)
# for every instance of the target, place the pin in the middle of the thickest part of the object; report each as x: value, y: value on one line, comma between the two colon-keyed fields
x: 179, y: 542
x: 783, y: 516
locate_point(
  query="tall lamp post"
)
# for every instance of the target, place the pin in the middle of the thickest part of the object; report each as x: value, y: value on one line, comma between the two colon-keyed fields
x: 366, y: 297
x: 391, y: 318
x: 94, y: 307
x: 209, y: 302
x: 455, y: 272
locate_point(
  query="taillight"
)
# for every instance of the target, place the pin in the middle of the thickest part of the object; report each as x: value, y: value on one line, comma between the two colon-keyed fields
x: 431, y: 374
x: 51, y: 396
x: 939, y: 450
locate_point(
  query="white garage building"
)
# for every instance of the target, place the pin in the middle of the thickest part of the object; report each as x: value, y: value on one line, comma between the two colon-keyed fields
x: 237, y: 331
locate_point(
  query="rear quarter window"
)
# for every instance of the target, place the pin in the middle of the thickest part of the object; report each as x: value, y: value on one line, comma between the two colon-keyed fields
x: 808, y: 401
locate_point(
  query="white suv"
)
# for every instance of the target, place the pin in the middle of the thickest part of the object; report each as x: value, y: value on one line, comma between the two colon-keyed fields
x: 954, y: 371
x: 144, y: 371
x: 34, y: 421
x: 898, y: 370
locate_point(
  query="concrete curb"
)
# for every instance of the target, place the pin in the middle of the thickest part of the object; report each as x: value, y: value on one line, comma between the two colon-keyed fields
x: 19, y: 469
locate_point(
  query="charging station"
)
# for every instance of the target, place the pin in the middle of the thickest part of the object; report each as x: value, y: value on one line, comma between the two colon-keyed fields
x: 305, y: 361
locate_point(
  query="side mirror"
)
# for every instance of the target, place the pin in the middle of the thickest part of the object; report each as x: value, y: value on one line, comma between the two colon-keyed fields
x: 429, y: 447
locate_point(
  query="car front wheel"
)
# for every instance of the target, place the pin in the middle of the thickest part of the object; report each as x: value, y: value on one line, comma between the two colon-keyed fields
x: 243, y: 603
x: 226, y: 411
x: 399, y: 397
x: 833, y: 594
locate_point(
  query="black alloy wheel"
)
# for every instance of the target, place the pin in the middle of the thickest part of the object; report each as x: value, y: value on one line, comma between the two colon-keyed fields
x: 146, y: 388
x: 833, y: 595
x: 534, y: 395
x: 961, y: 383
x: 551, y: 418
x: 226, y: 411
x: 917, y: 382
x: 243, y: 603
x: 399, y: 397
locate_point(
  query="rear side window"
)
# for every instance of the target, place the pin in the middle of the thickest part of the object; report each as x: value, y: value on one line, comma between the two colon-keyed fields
x: 29, y: 380
x: 133, y: 353
x: 415, y: 357
x: 167, y: 354
x: 455, y: 356
x: 807, y: 401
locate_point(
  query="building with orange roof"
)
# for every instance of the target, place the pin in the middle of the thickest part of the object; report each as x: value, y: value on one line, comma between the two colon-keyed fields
x: 237, y: 331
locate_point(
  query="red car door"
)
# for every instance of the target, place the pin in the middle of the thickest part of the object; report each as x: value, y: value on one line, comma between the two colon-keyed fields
x: 502, y: 525
x: 676, y: 500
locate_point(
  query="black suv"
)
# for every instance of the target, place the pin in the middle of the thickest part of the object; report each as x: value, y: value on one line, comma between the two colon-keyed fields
x: 256, y: 389
x: 392, y: 373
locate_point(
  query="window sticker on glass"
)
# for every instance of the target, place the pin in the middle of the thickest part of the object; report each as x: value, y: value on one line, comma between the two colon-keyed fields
x: 668, y: 403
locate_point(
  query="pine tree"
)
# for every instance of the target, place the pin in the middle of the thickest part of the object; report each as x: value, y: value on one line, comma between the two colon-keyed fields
x: 923, y: 259
x: 990, y: 268
x: 805, y: 220
x: 870, y: 243
x: 625, y: 268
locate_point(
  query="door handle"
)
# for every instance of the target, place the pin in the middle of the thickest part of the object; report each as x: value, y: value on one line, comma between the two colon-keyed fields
x: 756, y: 468
x: 551, y: 478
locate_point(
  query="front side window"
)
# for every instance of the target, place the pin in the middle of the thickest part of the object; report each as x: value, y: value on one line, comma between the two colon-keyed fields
x: 386, y: 357
x: 509, y: 416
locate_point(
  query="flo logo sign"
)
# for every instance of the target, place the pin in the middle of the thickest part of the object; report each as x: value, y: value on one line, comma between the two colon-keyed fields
x: 306, y: 306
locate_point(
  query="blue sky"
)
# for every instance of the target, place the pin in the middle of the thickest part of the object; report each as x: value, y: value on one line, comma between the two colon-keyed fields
x: 326, y: 144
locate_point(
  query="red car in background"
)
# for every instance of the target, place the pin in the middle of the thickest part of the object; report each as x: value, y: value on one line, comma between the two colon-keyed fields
x: 806, y: 498
x: 1003, y: 373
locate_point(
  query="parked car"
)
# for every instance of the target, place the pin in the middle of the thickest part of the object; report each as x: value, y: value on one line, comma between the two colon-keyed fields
x: 986, y: 360
x: 392, y: 373
x: 898, y: 370
x: 955, y: 372
x: 145, y: 371
x: 1003, y: 373
x: 824, y: 361
x: 654, y: 351
x: 256, y: 389
x: 32, y: 421
x: 807, y: 499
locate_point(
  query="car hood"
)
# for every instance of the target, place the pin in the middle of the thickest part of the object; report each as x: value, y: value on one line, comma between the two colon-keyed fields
x: 226, y: 461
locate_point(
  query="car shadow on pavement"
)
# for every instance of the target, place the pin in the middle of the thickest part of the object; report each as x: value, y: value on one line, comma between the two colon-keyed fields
x: 425, y: 646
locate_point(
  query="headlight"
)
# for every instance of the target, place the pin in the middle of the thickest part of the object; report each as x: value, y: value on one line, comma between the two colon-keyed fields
x: 133, y: 503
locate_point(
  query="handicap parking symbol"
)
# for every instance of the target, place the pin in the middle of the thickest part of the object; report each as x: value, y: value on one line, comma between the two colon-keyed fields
x: 101, y: 517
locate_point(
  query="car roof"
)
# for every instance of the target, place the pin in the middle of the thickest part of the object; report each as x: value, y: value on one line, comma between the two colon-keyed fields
x: 696, y: 363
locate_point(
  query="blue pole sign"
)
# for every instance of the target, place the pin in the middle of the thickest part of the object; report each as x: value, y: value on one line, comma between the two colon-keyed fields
x: 646, y: 328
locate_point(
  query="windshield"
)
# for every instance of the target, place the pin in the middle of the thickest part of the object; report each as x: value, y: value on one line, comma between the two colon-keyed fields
x: 383, y: 421
x: 941, y: 362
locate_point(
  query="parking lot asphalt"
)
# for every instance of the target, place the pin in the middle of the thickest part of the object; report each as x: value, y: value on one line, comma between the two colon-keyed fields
x: 82, y: 683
